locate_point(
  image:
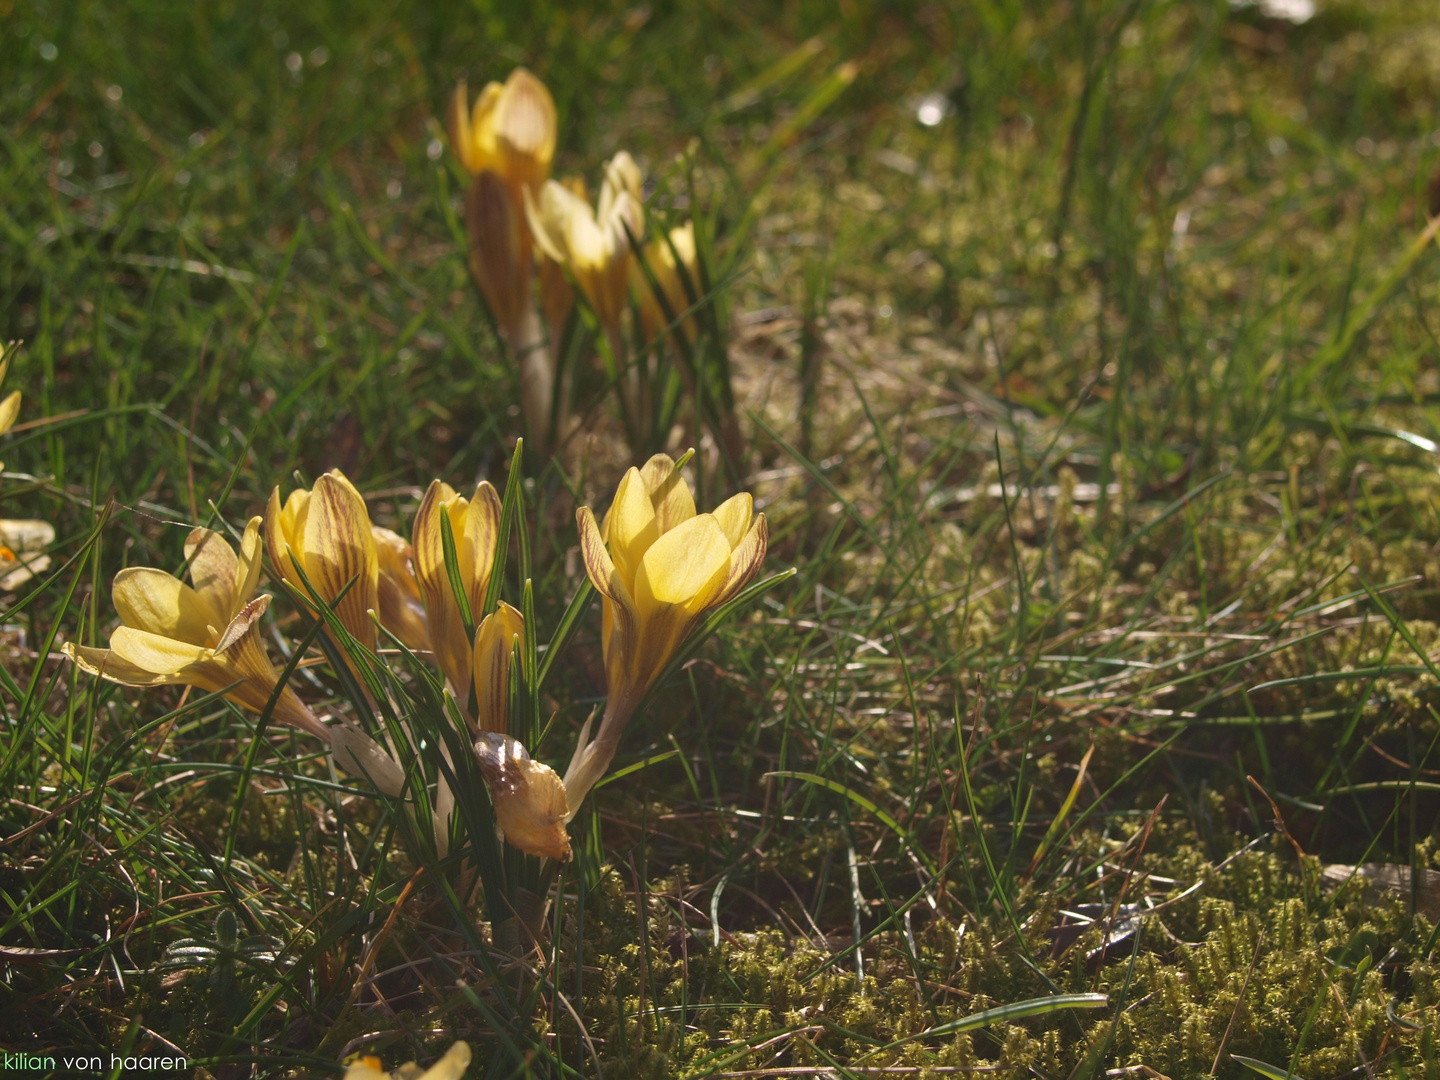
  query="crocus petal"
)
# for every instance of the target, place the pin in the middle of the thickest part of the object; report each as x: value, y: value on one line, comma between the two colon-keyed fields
x: 152, y: 600
x: 529, y: 798
x: 280, y: 534
x: 685, y: 566
x: 734, y: 516
x: 240, y: 655
x: 450, y: 1067
x: 631, y: 526
x: 337, y: 548
x: 116, y: 669
x: 442, y: 614
x: 525, y: 127
x: 401, y: 610
x: 157, y: 654
x: 360, y: 755
x: 482, y: 532
x: 745, y: 561
x: 9, y: 411
x: 679, y: 577
x: 212, y: 570
x: 26, y: 534
x: 669, y: 493
x: 247, y: 566
x: 622, y: 177
x: 620, y: 624
x: 499, y: 253
x: 494, y: 645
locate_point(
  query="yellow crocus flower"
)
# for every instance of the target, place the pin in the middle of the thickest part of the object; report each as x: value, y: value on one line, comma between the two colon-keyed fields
x: 451, y: 1066
x: 401, y: 610
x: 326, y: 532
x: 661, y: 260
x: 207, y: 636
x: 666, y: 566
x: 494, y: 644
x: 593, y: 243
x: 475, y: 523
x: 510, y: 131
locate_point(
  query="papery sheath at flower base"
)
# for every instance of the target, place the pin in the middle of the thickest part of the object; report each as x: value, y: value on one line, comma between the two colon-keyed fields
x: 326, y: 531
x: 665, y: 568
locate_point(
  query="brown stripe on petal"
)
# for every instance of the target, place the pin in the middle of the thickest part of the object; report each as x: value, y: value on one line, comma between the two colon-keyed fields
x: 745, y: 561
x: 494, y: 644
x: 339, y: 547
x: 482, y: 533
x: 212, y: 571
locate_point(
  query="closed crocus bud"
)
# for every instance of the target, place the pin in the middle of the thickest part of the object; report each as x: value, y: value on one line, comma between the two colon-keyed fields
x: 495, y: 639
x: 666, y: 567
x: 401, y: 610
x: 475, y: 524
x: 510, y: 130
x: 206, y: 636
x: 326, y: 533
x: 529, y: 797
x: 660, y: 256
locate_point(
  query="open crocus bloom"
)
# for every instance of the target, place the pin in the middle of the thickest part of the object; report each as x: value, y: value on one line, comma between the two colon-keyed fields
x: 326, y: 532
x: 666, y: 567
x: 593, y: 243
x: 401, y: 610
x: 475, y: 524
x: 207, y: 636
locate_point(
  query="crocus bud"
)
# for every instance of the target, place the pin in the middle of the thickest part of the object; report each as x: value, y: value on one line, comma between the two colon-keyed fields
x: 326, y: 533
x: 475, y: 524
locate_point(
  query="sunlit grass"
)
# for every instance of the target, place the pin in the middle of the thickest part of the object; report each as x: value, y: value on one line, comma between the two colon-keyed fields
x: 1097, y: 418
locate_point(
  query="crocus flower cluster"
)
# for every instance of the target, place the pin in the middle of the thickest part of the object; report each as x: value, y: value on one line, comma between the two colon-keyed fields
x: 523, y: 225
x: 23, y: 542
x: 658, y: 565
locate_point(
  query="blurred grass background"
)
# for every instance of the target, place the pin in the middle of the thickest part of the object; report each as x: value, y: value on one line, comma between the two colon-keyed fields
x: 1088, y: 357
